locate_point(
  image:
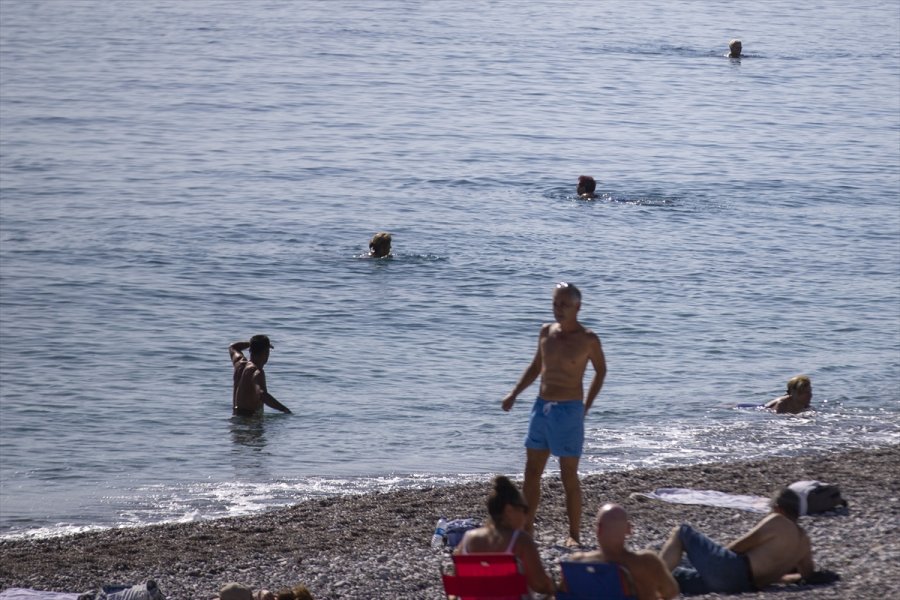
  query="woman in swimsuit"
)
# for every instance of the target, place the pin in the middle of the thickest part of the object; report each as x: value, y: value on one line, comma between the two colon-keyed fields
x: 504, y: 533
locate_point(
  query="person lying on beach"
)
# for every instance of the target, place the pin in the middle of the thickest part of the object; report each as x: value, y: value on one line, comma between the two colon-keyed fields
x: 775, y: 550
x: 652, y: 579
x: 237, y: 591
x: 797, y: 398
x: 380, y: 245
x: 503, y: 533
x: 734, y: 48
x: 564, y: 350
x: 250, y: 392
x: 586, y: 187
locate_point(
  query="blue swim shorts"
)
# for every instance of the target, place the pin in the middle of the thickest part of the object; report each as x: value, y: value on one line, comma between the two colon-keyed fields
x: 556, y: 426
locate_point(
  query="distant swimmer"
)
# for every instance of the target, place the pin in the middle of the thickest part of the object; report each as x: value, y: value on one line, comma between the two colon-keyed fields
x: 797, y: 399
x: 586, y: 187
x: 564, y: 350
x: 250, y: 391
x: 734, y: 48
x: 380, y: 245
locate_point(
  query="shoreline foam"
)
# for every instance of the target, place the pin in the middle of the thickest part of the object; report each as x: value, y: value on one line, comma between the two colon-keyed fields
x: 376, y: 545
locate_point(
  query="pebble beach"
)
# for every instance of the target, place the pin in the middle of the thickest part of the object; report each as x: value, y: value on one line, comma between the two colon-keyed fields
x: 377, y: 545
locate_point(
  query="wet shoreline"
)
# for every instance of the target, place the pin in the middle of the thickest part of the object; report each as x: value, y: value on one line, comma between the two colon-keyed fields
x: 376, y: 545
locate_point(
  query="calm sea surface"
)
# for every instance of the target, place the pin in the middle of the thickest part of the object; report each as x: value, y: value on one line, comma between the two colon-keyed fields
x: 177, y: 176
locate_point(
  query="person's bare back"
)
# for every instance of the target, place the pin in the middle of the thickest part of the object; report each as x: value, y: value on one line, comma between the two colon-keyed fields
x: 651, y: 579
x: 250, y: 391
x: 246, y: 389
x: 775, y: 547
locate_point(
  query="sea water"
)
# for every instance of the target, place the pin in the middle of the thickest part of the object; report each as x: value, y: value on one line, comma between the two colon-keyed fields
x: 177, y: 176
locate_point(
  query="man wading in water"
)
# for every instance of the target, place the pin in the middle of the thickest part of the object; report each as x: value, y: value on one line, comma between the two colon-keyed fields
x: 250, y: 391
x: 557, y: 417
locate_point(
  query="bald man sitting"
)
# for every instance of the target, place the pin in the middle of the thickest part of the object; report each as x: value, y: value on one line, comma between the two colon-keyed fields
x: 652, y: 579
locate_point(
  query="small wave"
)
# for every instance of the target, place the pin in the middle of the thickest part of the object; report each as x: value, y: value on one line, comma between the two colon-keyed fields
x: 158, y: 504
x: 635, y: 199
x: 403, y: 257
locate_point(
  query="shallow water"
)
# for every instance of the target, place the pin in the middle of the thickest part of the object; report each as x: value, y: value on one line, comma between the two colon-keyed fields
x: 178, y: 176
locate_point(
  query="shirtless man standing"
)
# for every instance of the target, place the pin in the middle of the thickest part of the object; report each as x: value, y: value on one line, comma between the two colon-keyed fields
x: 250, y: 391
x: 557, y: 417
x: 652, y: 579
x: 776, y: 549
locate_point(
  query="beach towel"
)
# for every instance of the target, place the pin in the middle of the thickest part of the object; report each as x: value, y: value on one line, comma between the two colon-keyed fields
x: 27, y: 594
x: 757, y: 504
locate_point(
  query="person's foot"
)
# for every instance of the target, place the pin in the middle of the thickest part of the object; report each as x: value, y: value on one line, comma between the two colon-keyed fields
x: 572, y: 543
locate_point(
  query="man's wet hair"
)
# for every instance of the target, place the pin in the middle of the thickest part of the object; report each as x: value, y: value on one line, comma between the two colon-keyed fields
x: 586, y: 184
x: 260, y: 343
x: 570, y: 289
x: 798, y: 384
x: 788, y: 501
x: 380, y: 245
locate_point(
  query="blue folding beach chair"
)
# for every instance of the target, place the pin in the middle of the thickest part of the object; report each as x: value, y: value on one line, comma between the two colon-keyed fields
x: 596, y: 581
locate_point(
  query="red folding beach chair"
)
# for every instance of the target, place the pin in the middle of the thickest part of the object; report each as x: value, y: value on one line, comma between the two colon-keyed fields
x: 596, y: 581
x: 485, y: 577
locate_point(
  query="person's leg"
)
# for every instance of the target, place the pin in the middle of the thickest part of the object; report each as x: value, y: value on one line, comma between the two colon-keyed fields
x: 566, y: 438
x: 672, y: 550
x: 535, y: 461
x: 689, y: 581
x: 568, y: 471
x: 721, y: 569
x: 537, y: 452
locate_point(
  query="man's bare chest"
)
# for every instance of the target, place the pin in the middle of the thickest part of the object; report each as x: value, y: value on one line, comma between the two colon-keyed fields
x: 564, y: 348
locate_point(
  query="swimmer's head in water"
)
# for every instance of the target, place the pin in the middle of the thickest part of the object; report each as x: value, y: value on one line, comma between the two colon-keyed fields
x: 586, y: 186
x: 380, y: 245
x: 800, y: 387
x: 734, y: 48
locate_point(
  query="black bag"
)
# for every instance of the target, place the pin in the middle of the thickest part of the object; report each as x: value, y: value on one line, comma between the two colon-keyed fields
x: 823, y: 498
x: 817, y: 497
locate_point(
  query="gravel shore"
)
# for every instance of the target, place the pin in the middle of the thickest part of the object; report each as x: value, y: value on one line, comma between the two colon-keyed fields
x: 377, y: 545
